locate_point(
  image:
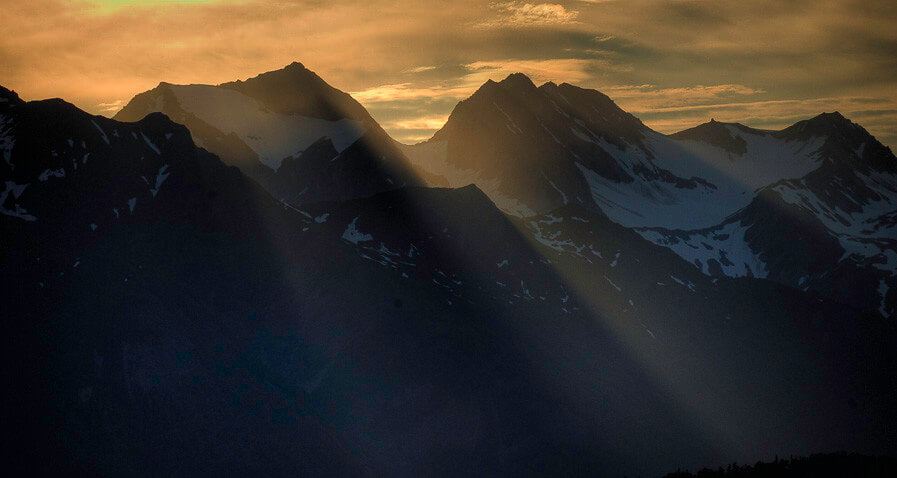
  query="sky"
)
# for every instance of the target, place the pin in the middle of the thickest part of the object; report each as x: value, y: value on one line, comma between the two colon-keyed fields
x: 672, y: 63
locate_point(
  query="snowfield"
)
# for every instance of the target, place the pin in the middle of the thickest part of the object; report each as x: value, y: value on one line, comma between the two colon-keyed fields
x: 733, y: 179
x: 272, y: 136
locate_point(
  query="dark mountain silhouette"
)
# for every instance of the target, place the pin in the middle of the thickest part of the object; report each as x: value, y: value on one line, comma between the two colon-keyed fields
x: 169, y: 315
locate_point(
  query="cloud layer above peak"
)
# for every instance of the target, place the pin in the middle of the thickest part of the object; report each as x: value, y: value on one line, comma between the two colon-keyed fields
x: 673, y: 63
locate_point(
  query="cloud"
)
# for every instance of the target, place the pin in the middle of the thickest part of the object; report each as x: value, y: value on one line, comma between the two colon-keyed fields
x: 520, y: 14
x: 109, y: 5
x: 405, y: 91
x: 407, y: 59
x: 651, y: 97
x: 412, y: 138
x: 419, y: 69
x: 540, y: 71
x: 477, y: 73
x: 112, y: 107
x: 431, y: 123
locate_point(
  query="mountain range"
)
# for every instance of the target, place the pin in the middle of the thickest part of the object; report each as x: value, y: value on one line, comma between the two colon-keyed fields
x: 254, y: 278
x: 812, y: 206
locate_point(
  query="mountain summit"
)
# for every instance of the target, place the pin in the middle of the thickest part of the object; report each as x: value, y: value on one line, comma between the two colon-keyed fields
x: 717, y: 194
x: 300, y: 138
x: 296, y: 90
x: 521, y: 144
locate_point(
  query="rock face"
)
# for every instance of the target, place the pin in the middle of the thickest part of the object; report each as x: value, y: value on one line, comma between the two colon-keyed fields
x: 272, y: 127
x: 811, y: 206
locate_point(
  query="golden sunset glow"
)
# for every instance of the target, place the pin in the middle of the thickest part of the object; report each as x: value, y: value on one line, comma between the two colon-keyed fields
x: 673, y: 64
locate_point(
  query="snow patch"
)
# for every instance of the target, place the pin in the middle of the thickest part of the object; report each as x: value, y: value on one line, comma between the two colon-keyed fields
x: 579, y: 134
x: 7, y: 140
x: 150, y: 143
x: 273, y: 136
x: 612, y: 283
x: 56, y: 173
x: 681, y: 282
x: 18, y: 211
x: 553, y: 239
x: 102, y: 133
x: 161, y: 176
x: 353, y: 235
x: 563, y: 196
x: 725, y: 245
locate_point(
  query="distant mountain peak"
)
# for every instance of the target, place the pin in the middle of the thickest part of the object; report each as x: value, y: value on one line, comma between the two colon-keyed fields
x: 834, y: 118
x: 294, y: 89
x: 293, y: 75
x: 518, y: 81
x: 9, y: 96
x: 834, y: 115
x: 832, y: 124
x: 472, y: 191
x: 718, y: 134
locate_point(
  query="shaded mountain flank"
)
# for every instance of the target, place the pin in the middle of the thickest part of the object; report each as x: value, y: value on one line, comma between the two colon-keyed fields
x: 170, y: 315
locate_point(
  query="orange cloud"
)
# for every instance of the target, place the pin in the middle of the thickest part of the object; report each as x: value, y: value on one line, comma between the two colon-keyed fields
x: 520, y: 14
x: 477, y: 73
x: 432, y: 123
x: 395, y: 52
x: 653, y: 98
x: 111, y: 108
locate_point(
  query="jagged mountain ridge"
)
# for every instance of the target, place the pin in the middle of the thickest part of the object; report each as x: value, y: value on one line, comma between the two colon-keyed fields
x: 831, y: 230
x: 212, y: 298
x: 724, y: 196
x: 562, y: 144
x: 300, y: 138
x: 515, y: 160
x: 211, y: 309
